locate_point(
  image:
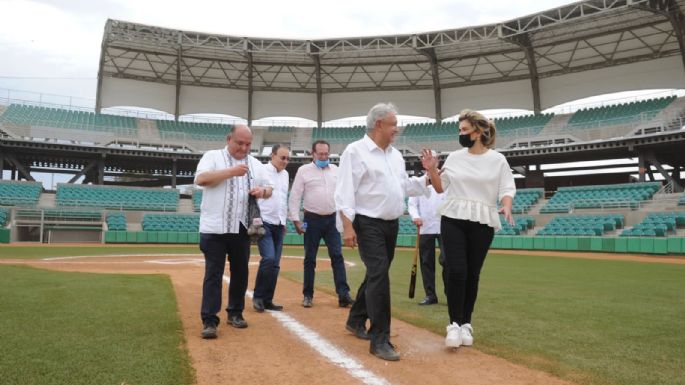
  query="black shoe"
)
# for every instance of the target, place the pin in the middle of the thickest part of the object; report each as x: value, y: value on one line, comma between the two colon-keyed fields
x: 272, y: 306
x: 345, y: 300
x: 358, y: 331
x: 209, y: 331
x: 258, y: 305
x: 307, y: 301
x: 385, y: 351
x: 237, y: 321
x: 428, y: 301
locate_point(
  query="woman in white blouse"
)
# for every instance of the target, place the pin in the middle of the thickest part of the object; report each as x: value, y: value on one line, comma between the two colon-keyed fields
x: 478, y: 177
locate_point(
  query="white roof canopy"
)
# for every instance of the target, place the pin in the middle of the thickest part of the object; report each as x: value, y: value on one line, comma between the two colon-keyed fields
x: 533, y: 62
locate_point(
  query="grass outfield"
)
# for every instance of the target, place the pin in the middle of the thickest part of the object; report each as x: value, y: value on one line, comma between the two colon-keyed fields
x: 83, y: 328
x: 587, y: 321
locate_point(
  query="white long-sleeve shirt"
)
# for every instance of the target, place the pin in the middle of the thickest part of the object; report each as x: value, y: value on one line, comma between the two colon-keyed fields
x: 317, y: 186
x: 274, y: 208
x: 426, y: 209
x: 224, y: 205
x: 474, y: 184
x: 373, y: 182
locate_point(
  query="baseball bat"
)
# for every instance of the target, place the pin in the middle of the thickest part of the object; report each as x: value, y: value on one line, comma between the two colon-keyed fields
x: 412, y: 281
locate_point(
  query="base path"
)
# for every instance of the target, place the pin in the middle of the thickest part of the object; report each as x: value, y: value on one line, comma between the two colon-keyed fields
x: 302, y: 346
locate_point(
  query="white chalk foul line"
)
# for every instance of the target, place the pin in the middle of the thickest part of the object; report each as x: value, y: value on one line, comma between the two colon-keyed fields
x: 192, y: 261
x: 331, y: 352
x: 117, y: 256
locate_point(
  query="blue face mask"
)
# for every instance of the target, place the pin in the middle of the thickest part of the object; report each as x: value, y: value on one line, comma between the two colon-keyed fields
x: 321, y: 163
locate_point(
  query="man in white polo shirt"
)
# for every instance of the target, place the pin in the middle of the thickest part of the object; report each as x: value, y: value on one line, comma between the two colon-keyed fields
x: 273, y: 212
x: 228, y: 177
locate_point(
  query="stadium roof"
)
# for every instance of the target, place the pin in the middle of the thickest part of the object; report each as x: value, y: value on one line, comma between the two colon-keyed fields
x: 532, y: 62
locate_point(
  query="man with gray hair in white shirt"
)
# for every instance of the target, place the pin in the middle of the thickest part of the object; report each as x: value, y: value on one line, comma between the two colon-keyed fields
x: 372, y: 184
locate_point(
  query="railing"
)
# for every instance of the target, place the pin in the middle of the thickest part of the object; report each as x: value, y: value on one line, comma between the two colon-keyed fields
x: 117, y: 205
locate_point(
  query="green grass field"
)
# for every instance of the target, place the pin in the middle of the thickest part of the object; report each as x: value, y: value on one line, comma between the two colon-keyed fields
x: 81, y: 328
x: 587, y: 321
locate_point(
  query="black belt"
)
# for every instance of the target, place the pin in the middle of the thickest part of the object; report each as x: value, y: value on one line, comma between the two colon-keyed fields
x: 309, y: 213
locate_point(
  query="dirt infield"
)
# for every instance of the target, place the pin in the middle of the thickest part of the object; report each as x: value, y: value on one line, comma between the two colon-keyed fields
x: 301, y: 346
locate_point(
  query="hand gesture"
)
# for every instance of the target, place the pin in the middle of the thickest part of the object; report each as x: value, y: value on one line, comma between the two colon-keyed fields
x: 418, y: 222
x: 428, y: 161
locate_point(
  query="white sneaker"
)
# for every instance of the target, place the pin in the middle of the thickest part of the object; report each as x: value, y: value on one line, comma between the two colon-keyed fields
x: 466, y: 335
x: 453, y: 339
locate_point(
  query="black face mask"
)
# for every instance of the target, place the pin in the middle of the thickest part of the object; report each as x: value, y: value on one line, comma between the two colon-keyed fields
x: 466, y: 141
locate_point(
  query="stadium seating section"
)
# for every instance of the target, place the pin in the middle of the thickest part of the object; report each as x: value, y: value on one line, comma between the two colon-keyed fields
x: 681, y: 202
x: 407, y: 226
x: 4, y: 216
x: 171, y: 222
x: 521, y: 225
x: 431, y: 131
x: 625, y: 113
x: 192, y: 130
x: 528, y: 125
x: 583, y: 225
x: 26, y: 115
x: 116, y: 221
x: 602, y: 196
x: 197, y: 200
x: 133, y: 198
x: 339, y: 134
x: 19, y: 193
x: 657, y: 225
x: 525, y: 199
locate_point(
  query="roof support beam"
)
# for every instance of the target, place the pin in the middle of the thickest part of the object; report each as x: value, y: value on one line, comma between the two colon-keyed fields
x: 319, y: 91
x: 250, y: 87
x: 23, y: 171
x: 652, y: 159
x: 177, y: 106
x: 523, y: 41
x: 86, y: 169
x: 437, y: 91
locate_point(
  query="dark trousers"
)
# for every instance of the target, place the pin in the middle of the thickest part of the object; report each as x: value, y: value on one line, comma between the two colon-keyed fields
x: 215, y: 248
x: 465, y: 244
x: 376, y: 239
x: 323, y: 227
x: 270, y: 248
x: 427, y: 253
